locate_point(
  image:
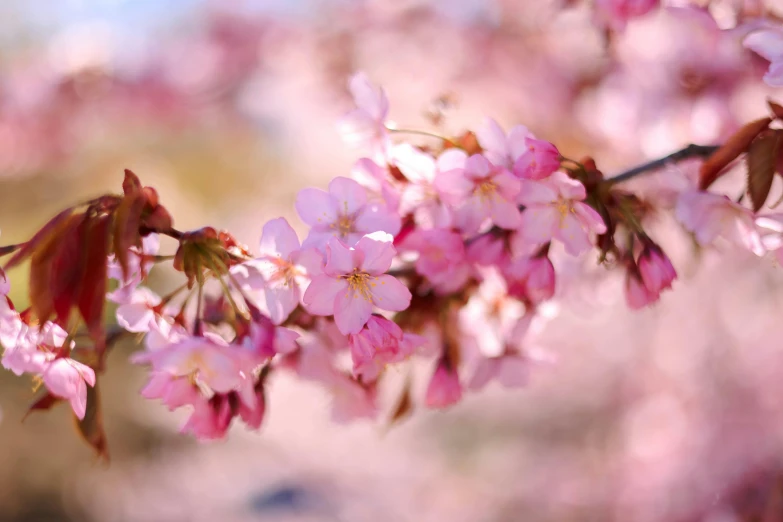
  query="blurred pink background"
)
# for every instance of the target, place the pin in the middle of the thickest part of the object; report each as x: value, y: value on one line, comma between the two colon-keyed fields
x: 228, y: 109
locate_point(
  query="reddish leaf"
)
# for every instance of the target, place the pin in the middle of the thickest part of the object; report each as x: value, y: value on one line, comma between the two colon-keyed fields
x: 42, y: 404
x: 131, y: 184
x: 45, y: 232
x: 42, y: 284
x: 159, y: 220
x: 734, y: 146
x: 761, y: 159
x: 776, y: 109
x: 92, y: 292
x: 126, y: 228
x: 404, y: 406
x: 91, y: 427
x: 68, y: 267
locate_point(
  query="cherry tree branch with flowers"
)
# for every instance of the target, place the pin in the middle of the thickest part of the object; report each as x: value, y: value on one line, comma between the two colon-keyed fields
x: 442, y: 252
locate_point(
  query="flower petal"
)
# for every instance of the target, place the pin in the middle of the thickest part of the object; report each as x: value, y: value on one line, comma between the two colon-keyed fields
x: 389, y: 294
x: 351, y: 311
x: 315, y: 206
x: 319, y: 299
x: 278, y: 239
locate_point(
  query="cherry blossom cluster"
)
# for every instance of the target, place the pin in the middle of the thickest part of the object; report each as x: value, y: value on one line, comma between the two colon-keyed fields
x: 438, y: 253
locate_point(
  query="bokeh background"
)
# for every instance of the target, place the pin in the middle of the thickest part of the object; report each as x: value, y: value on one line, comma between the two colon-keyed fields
x: 227, y: 107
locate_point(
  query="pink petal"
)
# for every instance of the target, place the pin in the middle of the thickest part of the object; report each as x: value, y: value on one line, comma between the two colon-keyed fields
x: 569, y: 188
x: 478, y: 167
x: 452, y: 159
x: 492, y: 139
x: 414, y: 164
x: 368, y: 96
x: 590, y: 218
x: 390, y: 294
x: 774, y: 77
x: 575, y: 238
x: 516, y: 142
x: 135, y: 317
x: 316, y: 207
x: 766, y: 43
x: 454, y: 185
x: 539, y: 223
x: 505, y: 214
x: 340, y: 259
x: 351, y: 311
x: 377, y: 217
x: 319, y: 299
x: 278, y: 239
x: 378, y: 255
x: 508, y: 185
x: 349, y: 194
x: 281, y: 301
x: 536, y: 192
x: 513, y: 372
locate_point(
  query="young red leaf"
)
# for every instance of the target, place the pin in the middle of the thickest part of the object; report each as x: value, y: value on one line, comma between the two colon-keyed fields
x: 45, y: 232
x: 404, y: 406
x: 92, y: 291
x: 761, y: 158
x: 68, y: 267
x: 734, y: 146
x: 91, y: 427
x: 131, y: 184
x: 126, y: 227
x: 42, y: 267
x: 46, y: 402
x: 776, y: 108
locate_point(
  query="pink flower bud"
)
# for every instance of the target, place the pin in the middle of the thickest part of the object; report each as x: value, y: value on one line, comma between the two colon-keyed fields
x: 655, y: 268
x: 444, y: 388
x: 637, y: 295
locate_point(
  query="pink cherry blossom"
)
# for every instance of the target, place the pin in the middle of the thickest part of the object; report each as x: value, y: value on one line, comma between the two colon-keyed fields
x: 420, y: 197
x: 355, y: 280
x: 173, y: 391
x: 444, y: 388
x: 210, y: 419
x: 38, y: 350
x: 482, y: 193
x: 520, y: 152
x: 656, y: 269
x: 710, y: 216
x: 344, y: 213
x: 491, y: 315
x: 769, y: 44
x: 221, y: 367
x: 376, y: 180
x: 554, y: 210
x: 615, y: 14
x: 530, y: 278
x: 137, y: 311
x: 68, y: 379
x: 380, y: 342
x: 283, y: 269
x: 254, y: 416
x: 441, y: 258
x: 365, y: 126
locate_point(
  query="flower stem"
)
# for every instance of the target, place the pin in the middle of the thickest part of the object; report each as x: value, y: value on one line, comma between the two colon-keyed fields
x: 691, y: 151
x: 423, y: 133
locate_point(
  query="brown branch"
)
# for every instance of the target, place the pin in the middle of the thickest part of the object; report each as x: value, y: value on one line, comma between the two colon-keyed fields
x: 691, y: 151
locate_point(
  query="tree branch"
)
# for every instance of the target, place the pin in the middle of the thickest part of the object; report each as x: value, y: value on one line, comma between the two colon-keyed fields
x: 691, y: 151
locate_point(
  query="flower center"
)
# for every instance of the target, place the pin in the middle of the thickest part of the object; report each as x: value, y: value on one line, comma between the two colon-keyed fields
x: 343, y: 225
x: 359, y: 283
x: 486, y: 189
x: 285, y: 271
x: 564, y: 208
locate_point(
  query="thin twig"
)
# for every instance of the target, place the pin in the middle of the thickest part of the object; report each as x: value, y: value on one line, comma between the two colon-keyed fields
x: 423, y: 133
x: 691, y: 151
